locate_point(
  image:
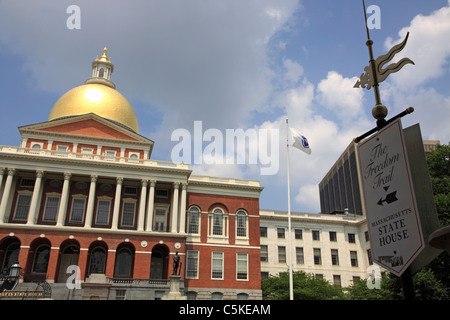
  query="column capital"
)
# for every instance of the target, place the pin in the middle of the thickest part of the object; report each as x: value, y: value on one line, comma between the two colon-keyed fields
x: 2, y: 171
x: 67, y: 175
x: 39, y: 173
x: 119, y: 180
x: 176, y: 185
x: 94, y: 177
x: 11, y: 171
x: 184, y: 185
x: 152, y: 183
x: 144, y: 182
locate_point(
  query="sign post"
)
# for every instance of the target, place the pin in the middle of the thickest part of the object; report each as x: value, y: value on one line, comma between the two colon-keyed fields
x: 392, y: 215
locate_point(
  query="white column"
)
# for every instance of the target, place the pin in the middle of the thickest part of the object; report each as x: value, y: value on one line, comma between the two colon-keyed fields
x: 6, y: 193
x: 91, y: 201
x: 183, y: 208
x: 116, y: 212
x: 64, y: 199
x: 2, y: 172
x: 174, y: 211
x: 142, y: 205
x: 150, y: 206
x: 33, y: 212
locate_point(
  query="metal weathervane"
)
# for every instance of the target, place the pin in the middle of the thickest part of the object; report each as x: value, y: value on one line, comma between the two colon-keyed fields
x: 375, y: 74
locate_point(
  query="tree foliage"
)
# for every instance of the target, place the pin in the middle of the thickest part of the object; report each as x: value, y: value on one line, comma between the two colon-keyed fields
x: 306, y: 287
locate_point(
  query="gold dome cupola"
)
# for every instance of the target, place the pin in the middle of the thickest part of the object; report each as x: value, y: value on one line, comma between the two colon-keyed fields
x: 101, y: 71
x: 97, y: 95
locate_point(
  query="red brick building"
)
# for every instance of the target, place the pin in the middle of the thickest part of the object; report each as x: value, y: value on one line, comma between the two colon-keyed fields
x: 82, y: 189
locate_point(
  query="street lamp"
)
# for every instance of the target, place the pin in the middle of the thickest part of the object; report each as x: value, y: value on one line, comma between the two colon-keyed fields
x: 14, y: 272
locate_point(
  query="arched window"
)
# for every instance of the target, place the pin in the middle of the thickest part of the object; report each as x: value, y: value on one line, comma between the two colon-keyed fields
x: 97, y: 262
x: 218, y: 222
x: 217, y: 296
x: 11, y: 256
x: 193, y: 224
x: 101, y: 73
x: 241, y: 223
x: 124, y: 263
x: 41, y: 258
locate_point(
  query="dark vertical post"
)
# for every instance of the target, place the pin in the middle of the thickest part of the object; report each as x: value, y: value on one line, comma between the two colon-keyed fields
x: 408, y: 285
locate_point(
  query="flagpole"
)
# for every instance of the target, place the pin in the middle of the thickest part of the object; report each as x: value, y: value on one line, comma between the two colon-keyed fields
x: 291, y: 285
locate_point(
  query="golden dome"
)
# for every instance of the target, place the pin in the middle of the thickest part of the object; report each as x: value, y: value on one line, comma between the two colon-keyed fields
x: 99, y: 99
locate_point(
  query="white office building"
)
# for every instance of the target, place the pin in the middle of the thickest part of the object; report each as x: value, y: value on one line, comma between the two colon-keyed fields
x: 335, y: 247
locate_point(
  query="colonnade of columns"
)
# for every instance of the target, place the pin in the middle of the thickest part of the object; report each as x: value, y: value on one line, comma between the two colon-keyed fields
x: 146, y: 202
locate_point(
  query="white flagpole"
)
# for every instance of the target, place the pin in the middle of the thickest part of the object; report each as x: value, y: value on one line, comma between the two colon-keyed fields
x: 291, y: 285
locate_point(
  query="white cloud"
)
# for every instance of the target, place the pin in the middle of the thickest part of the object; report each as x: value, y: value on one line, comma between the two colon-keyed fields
x: 427, y: 46
x: 293, y: 70
x: 337, y: 94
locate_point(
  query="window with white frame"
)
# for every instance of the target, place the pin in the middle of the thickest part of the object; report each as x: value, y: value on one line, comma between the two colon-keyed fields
x: 193, y: 220
x: 192, y: 264
x: 61, y: 148
x: 128, y: 213
x: 160, y: 219
x: 241, y: 266
x: 110, y: 153
x: 51, y: 208
x: 77, y: 212
x: 217, y: 265
x: 218, y: 222
x: 241, y: 223
x: 22, y: 206
x: 103, y: 209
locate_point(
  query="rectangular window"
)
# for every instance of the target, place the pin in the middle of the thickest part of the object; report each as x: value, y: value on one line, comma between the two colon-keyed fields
x: 61, y: 148
x: 264, y: 253
x: 131, y: 191
x: 128, y: 212
x: 333, y: 236
x: 160, y: 220
x: 351, y: 238
x: 298, y: 234
x: 27, y: 183
x: 299, y: 255
x: 103, y: 208
x: 22, y: 207
x: 316, y: 235
x: 263, y: 232
x: 369, y: 256
x: 337, y: 280
x: 51, y: 209
x: 242, y: 266
x: 192, y: 264
x: 217, y: 265
x: 162, y: 193
x: 334, y: 257
x: 280, y: 233
x: 77, y: 213
x: 317, y: 256
x: 110, y: 153
x: 354, y: 258
x: 193, y: 221
x: 120, y: 294
x: 281, y: 254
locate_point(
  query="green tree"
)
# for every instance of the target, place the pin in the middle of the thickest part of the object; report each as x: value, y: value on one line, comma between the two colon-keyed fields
x: 439, y: 167
x: 306, y: 287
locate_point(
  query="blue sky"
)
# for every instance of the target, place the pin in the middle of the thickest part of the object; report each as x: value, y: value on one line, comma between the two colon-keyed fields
x: 232, y: 65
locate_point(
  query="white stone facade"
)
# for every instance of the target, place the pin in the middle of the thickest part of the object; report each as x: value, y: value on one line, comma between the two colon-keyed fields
x: 336, y: 247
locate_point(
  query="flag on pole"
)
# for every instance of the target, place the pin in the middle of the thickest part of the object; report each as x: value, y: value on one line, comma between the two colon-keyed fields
x: 300, y: 141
